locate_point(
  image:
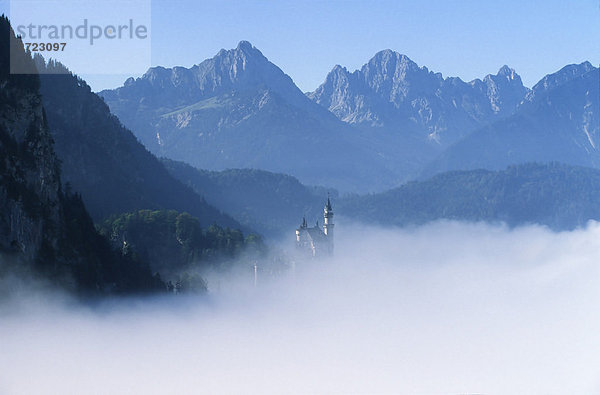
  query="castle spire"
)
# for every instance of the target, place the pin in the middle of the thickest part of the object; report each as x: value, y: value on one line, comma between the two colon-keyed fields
x: 328, y: 223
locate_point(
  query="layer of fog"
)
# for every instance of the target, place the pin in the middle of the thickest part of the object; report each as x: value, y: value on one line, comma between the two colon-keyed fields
x: 444, y: 308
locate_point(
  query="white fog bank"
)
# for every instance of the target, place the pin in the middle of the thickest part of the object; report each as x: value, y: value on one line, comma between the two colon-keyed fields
x: 446, y: 308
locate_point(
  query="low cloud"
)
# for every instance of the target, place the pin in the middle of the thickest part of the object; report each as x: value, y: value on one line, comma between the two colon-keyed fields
x: 445, y: 308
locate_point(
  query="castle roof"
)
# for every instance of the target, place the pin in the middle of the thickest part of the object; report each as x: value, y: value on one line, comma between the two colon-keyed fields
x: 315, y: 234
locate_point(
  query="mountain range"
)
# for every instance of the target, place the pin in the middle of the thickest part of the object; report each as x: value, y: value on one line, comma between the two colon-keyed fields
x: 362, y: 131
x: 372, y: 130
x: 557, y: 121
x: 62, y: 151
x: 240, y: 110
x: 392, y: 92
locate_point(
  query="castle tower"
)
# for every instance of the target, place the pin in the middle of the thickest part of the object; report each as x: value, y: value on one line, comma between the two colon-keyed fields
x: 328, y: 224
x: 300, y: 230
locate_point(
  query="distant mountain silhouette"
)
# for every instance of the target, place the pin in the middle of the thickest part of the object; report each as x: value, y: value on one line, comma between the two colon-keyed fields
x: 556, y: 195
x: 393, y: 93
x: 362, y: 131
x: 558, y: 121
x: 237, y: 109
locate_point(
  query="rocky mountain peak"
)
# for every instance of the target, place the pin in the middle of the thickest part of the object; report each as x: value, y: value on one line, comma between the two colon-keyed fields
x: 247, y: 47
x: 225, y: 65
x: 507, y: 73
x: 243, y: 68
x: 337, y: 74
x: 505, y: 90
x: 229, y: 64
x: 391, y: 63
x: 396, y: 78
x: 393, y: 91
x: 155, y: 73
x: 562, y: 76
x: 337, y: 69
x: 244, y: 50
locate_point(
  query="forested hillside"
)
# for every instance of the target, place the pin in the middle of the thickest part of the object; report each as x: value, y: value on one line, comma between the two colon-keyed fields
x: 271, y: 203
x: 103, y: 161
x: 173, y: 242
x: 557, y: 195
x: 44, y: 229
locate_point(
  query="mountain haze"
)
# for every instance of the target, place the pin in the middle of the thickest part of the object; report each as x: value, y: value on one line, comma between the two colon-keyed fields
x: 558, y: 121
x: 271, y: 203
x: 363, y: 131
x: 556, y: 195
x: 104, y: 161
x: 236, y: 135
x: 237, y: 109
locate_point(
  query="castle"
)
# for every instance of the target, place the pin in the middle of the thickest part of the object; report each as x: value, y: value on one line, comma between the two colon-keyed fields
x: 315, y: 242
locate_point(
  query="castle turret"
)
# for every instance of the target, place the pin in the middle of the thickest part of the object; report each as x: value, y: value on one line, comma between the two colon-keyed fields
x: 314, y: 242
x: 328, y: 224
x: 299, y: 231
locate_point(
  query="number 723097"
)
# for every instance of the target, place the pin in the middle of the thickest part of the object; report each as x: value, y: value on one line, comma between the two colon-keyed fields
x: 35, y: 47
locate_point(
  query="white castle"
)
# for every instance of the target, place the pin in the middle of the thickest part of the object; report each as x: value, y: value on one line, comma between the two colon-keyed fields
x: 313, y: 241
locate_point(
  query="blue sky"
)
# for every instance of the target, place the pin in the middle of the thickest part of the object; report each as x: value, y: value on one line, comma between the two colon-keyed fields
x: 468, y: 39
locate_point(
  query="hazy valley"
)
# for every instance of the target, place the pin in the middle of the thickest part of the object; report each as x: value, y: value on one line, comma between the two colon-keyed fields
x: 215, y: 229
